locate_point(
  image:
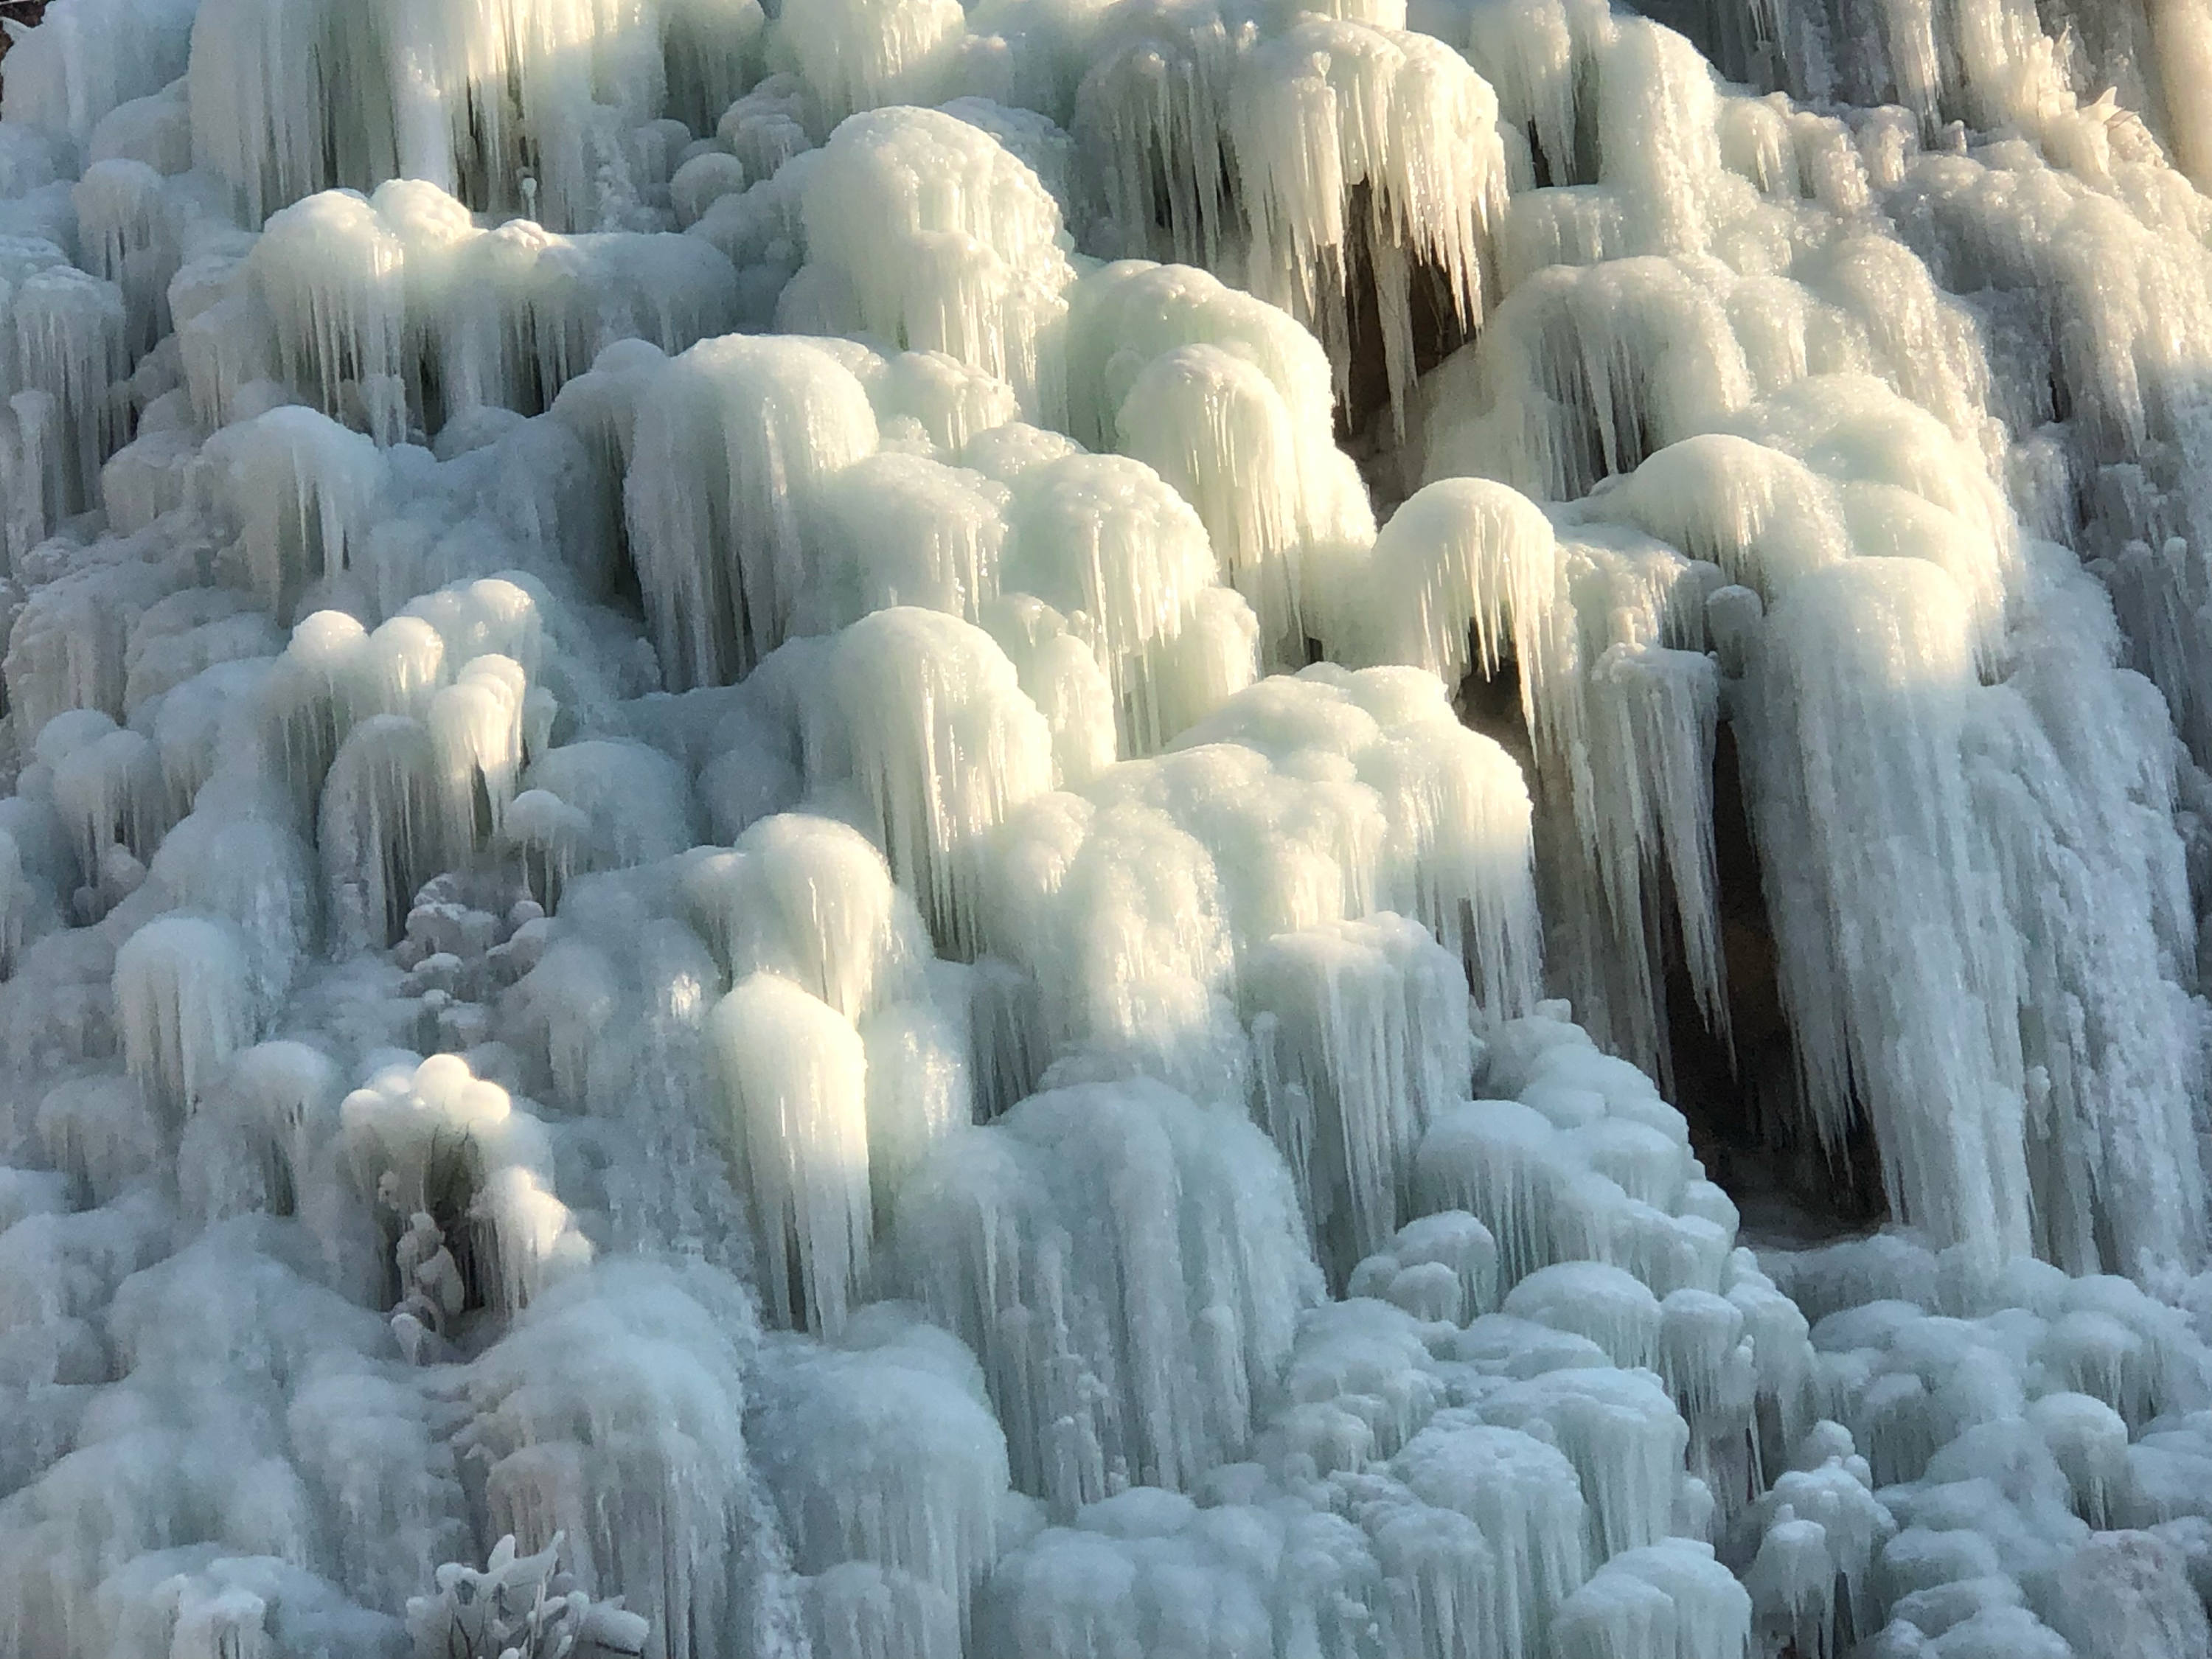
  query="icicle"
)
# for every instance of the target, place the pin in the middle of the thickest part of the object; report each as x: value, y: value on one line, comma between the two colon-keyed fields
x: 812, y: 900
x: 1367, y: 1040
x: 493, y: 618
x: 476, y: 727
x: 1793, y: 1586
x: 1331, y: 107
x: 731, y: 449
x: 881, y: 1448
x: 1103, y: 538
x: 1116, y: 915
x: 943, y: 744
x: 301, y: 491
x: 1670, y: 1599
x: 600, y: 803
x: 108, y: 787
x: 794, y: 1077
x: 84, y: 61
x: 156, y: 129
x: 1040, y: 618
x: 380, y: 829
x: 921, y: 1084
x: 1653, y: 718
x: 1593, y: 1300
x: 1436, y: 827
x: 26, y: 904
x: 331, y: 274
x: 1123, y: 316
x: 124, y: 222
x: 1216, y: 427
x: 433, y: 1138
x: 933, y: 234
x: 1580, y: 375
x: 1060, y: 673
x: 1071, y: 1242
x: 870, y: 1612
x: 902, y: 530
x: 1524, y: 1496
x: 863, y: 54
x: 186, y: 1000
x: 70, y: 341
x: 955, y: 403
x: 1472, y: 574
x: 278, y: 1103
x: 264, y: 121
x: 1151, y: 117
x: 1885, y: 1034
x: 2090, y: 1441
x: 640, y: 1459
x: 1450, y: 1239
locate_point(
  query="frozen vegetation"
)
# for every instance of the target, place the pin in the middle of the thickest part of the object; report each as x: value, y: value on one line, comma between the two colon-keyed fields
x: 887, y: 832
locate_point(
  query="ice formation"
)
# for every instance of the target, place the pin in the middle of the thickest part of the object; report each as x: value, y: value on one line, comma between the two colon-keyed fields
x: 883, y: 831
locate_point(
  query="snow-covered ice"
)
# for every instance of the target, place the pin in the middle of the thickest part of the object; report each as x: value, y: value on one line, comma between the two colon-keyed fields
x: 1296, y: 829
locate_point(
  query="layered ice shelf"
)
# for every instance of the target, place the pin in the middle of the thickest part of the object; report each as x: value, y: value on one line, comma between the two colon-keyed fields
x: 883, y: 831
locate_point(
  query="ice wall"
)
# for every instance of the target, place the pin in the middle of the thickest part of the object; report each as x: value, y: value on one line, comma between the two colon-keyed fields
x: 889, y: 832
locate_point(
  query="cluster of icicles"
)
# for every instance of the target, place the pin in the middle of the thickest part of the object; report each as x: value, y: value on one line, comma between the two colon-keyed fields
x: 732, y: 836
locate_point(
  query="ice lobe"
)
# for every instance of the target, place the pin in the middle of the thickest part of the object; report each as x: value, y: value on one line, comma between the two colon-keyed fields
x: 1127, y: 1265
x: 796, y: 1075
x: 968, y: 749
x: 728, y: 452
x: 1415, y: 815
x: 974, y: 267
x: 1363, y: 1043
x: 186, y: 1002
x: 657, y: 684
x: 916, y: 1497
x: 1326, y: 116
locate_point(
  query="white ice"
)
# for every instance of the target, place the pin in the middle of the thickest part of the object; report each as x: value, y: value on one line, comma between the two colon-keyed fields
x: 890, y: 831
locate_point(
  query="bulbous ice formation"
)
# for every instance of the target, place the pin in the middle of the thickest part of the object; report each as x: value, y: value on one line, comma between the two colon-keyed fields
x: 1363, y: 1043
x: 728, y: 453
x: 796, y: 1078
x: 914, y: 1482
x: 185, y: 998
x: 965, y: 747
x: 1337, y: 112
x: 1126, y: 1264
x: 436, y: 1142
x: 656, y: 684
x: 973, y: 267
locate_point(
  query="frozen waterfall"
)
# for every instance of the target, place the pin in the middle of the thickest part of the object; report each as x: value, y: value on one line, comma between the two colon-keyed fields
x: 1130, y: 829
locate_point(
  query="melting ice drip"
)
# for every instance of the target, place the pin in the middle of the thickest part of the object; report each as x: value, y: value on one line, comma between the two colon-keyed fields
x: 741, y: 869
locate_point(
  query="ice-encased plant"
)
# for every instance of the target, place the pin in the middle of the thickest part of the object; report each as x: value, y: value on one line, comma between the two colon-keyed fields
x: 520, y: 1607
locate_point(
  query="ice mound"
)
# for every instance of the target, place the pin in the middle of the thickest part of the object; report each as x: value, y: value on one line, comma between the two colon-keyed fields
x: 890, y: 831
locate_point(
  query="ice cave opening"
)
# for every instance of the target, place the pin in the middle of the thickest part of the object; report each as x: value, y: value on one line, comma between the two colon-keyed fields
x: 1105, y: 830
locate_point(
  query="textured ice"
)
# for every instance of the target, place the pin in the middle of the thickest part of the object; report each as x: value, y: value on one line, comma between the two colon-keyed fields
x: 885, y: 831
